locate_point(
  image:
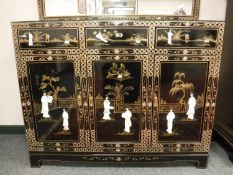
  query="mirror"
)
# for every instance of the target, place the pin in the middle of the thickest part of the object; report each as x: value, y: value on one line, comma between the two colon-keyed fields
x: 56, y: 8
x: 61, y: 7
x: 165, y: 7
x: 75, y: 8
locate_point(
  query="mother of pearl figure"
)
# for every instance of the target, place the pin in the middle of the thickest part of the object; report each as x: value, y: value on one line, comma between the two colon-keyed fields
x: 107, y: 108
x: 170, y: 118
x: 127, y: 116
x: 191, y: 109
x: 45, y: 100
x: 65, y: 117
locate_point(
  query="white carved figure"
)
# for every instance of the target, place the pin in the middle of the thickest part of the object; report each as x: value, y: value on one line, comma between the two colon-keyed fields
x: 47, y: 37
x: 30, y: 39
x: 170, y: 118
x: 138, y: 41
x: 186, y: 38
x: 169, y: 36
x: 127, y: 116
x: 67, y: 42
x: 65, y: 117
x: 100, y: 37
x: 45, y: 100
x: 107, y: 108
x: 191, y: 109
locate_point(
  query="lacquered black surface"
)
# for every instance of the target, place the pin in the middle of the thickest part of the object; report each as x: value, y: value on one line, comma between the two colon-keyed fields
x: 127, y: 160
x: 177, y: 81
x: 113, y: 130
x: 117, y: 37
x: 61, y: 76
x: 185, y: 38
x: 49, y: 38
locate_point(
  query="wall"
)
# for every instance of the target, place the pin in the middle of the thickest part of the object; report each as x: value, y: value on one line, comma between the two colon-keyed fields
x: 11, y: 10
x: 213, y: 9
x: 24, y: 10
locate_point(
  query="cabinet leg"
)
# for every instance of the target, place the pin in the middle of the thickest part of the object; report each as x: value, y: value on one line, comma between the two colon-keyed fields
x: 202, y: 163
x: 35, y: 163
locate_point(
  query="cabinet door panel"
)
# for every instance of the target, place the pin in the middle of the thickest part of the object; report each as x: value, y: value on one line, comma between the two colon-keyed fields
x: 54, y: 103
x: 182, y: 100
x: 120, y: 82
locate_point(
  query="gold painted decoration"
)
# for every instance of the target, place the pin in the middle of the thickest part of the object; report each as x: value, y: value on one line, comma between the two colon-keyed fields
x: 47, y: 38
x: 188, y: 38
x: 134, y: 66
x: 116, y: 37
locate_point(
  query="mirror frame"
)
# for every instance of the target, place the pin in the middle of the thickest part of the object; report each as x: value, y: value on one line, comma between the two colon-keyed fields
x: 81, y: 7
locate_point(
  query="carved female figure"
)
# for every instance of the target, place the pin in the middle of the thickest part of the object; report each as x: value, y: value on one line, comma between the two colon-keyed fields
x: 169, y: 36
x: 65, y: 117
x: 45, y: 100
x: 127, y: 116
x: 107, y: 108
x: 191, y: 109
x: 170, y: 118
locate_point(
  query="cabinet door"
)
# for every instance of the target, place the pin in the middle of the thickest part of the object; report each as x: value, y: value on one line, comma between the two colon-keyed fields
x: 117, y: 97
x: 53, y: 90
x: 184, y: 99
x: 51, y: 101
x: 53, y: 95
x: 49, y: 76
x: 186, y: 77
x: 182, y: 92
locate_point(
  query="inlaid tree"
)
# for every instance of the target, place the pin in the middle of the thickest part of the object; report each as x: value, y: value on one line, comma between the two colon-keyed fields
x: 51, y: 85
x: 180, y: 89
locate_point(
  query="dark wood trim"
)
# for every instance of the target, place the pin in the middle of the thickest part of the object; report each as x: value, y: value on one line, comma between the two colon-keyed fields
x: 225, y: 131
x: 140, y: 160
x: 223, y: 127
x: 224, y: 137
x: 12, y: 129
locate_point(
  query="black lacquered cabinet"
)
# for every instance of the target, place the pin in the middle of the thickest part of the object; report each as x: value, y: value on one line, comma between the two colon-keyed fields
x: 132, y: 91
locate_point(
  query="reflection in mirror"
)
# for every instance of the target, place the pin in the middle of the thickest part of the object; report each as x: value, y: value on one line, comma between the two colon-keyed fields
x: 123, y: 7
x: 61, y: 8
x: 140, y: 7
x: 165, y: 7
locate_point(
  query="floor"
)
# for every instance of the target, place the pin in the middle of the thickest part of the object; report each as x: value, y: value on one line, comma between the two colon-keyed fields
x: 14, y: 160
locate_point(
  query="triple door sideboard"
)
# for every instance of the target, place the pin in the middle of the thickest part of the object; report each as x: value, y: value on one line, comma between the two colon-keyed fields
x: 118, y: 91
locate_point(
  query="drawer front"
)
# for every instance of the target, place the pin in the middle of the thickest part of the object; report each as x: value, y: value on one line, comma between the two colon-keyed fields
x: 186, y: 38
x: 48, y: 38
x: 136, y: 37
